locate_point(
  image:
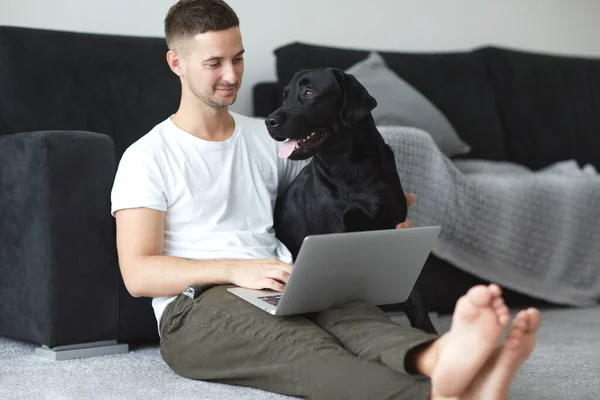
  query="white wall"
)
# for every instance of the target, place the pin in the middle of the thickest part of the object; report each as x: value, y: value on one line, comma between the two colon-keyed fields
x: 559, y: 26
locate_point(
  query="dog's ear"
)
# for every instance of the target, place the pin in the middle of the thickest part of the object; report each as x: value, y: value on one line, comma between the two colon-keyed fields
x: 357, y: 103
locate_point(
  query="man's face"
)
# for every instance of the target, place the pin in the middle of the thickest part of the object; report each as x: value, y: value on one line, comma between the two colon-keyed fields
x: 213, y: 66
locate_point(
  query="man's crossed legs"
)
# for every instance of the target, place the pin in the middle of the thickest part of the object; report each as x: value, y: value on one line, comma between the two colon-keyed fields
x: 352, y: 352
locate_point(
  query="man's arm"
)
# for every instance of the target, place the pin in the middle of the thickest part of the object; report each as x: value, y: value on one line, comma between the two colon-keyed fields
x: 148, y: 273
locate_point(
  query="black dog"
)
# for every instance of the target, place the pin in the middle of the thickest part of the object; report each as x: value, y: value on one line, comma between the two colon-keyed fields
x: 351, y: 183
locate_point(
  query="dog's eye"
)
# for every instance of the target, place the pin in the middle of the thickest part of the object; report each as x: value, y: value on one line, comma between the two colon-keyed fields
x: 308, y: 93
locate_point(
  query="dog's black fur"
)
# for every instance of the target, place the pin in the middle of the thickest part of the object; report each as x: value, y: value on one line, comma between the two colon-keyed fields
x: 351, y: 183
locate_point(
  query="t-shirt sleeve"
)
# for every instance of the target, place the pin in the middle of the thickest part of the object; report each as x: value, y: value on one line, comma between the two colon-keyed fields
x: 138, y: 183
x: 289, y: 170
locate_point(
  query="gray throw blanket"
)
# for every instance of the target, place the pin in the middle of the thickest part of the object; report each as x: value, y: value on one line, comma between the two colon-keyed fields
x: 534, y: 232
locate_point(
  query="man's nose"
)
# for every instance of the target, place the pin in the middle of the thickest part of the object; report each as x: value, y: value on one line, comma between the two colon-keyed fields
x: 230, y: 75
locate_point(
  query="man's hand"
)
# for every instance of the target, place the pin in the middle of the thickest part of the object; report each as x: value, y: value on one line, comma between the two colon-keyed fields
x: 410, y: 199
x: 266, y: 273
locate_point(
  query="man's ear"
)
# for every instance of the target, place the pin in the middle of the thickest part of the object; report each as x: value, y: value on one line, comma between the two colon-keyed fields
x: 174, y: 59
x: 357, y: 103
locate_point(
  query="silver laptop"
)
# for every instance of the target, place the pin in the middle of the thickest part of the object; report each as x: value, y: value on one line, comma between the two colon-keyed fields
x: 380, y: 267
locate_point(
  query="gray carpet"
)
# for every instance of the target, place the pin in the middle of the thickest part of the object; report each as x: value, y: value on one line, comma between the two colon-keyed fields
x: 565, y: 365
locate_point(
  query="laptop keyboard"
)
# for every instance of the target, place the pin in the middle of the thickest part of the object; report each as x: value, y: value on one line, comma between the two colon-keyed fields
x: 274, y: 299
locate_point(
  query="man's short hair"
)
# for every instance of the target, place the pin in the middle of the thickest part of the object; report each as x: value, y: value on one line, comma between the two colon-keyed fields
x: 187, y: 18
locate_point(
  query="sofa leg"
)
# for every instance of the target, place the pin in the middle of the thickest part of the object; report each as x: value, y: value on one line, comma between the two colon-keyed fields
x: 83, y: 350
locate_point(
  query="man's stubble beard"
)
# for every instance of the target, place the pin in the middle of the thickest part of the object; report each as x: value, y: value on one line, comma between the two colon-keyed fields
x: 209, y: 101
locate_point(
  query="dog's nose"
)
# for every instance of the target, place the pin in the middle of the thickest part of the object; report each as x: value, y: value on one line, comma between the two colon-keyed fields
x: 273, y: 121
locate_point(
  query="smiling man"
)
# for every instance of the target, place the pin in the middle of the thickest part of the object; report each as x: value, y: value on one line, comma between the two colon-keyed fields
x: 193, y: 201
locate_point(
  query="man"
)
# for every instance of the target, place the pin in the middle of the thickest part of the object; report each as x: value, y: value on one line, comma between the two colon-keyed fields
x: 193, y: 201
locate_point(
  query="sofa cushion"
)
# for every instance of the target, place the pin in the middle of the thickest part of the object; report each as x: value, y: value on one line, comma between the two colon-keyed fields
x: 398, y: 103
x: 457, y: 83
x: 549, y: 106
x: 55, y: 80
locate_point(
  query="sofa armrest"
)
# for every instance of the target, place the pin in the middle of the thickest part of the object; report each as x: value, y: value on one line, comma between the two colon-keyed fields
x: 58, y: 262
x: 266, y: 98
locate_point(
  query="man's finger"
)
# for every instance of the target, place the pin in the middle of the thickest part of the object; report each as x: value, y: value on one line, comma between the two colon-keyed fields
x: 279, y: 275
x: 285, y: 267
x: 405, y: 224
x: 274, y: 285
x: 410, y: 199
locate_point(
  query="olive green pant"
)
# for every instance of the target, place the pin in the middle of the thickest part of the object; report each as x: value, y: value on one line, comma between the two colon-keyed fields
x: 352, y: 352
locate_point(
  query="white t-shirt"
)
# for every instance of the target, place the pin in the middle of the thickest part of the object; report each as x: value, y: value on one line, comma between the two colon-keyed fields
x: 218, y: 197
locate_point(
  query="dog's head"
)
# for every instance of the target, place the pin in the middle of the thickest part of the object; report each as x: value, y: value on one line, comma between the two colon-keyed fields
x: 320, y: 106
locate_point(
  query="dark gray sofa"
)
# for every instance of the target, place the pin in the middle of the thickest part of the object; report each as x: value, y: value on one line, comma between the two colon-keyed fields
x: 71, y: 103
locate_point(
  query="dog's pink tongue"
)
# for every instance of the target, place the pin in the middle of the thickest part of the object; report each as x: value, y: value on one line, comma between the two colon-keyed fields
x: 287, y: 148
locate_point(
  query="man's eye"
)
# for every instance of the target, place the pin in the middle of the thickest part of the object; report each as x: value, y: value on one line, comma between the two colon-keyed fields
x: 308, y: 93
x: 213, y: 65
x: 238, y: 60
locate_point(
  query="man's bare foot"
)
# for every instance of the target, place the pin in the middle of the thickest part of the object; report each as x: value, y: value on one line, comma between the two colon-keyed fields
x: 494, y: 380
x: 478, y: 322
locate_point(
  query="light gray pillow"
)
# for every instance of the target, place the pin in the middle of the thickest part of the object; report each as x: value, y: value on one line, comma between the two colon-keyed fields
x: 398, y: 103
